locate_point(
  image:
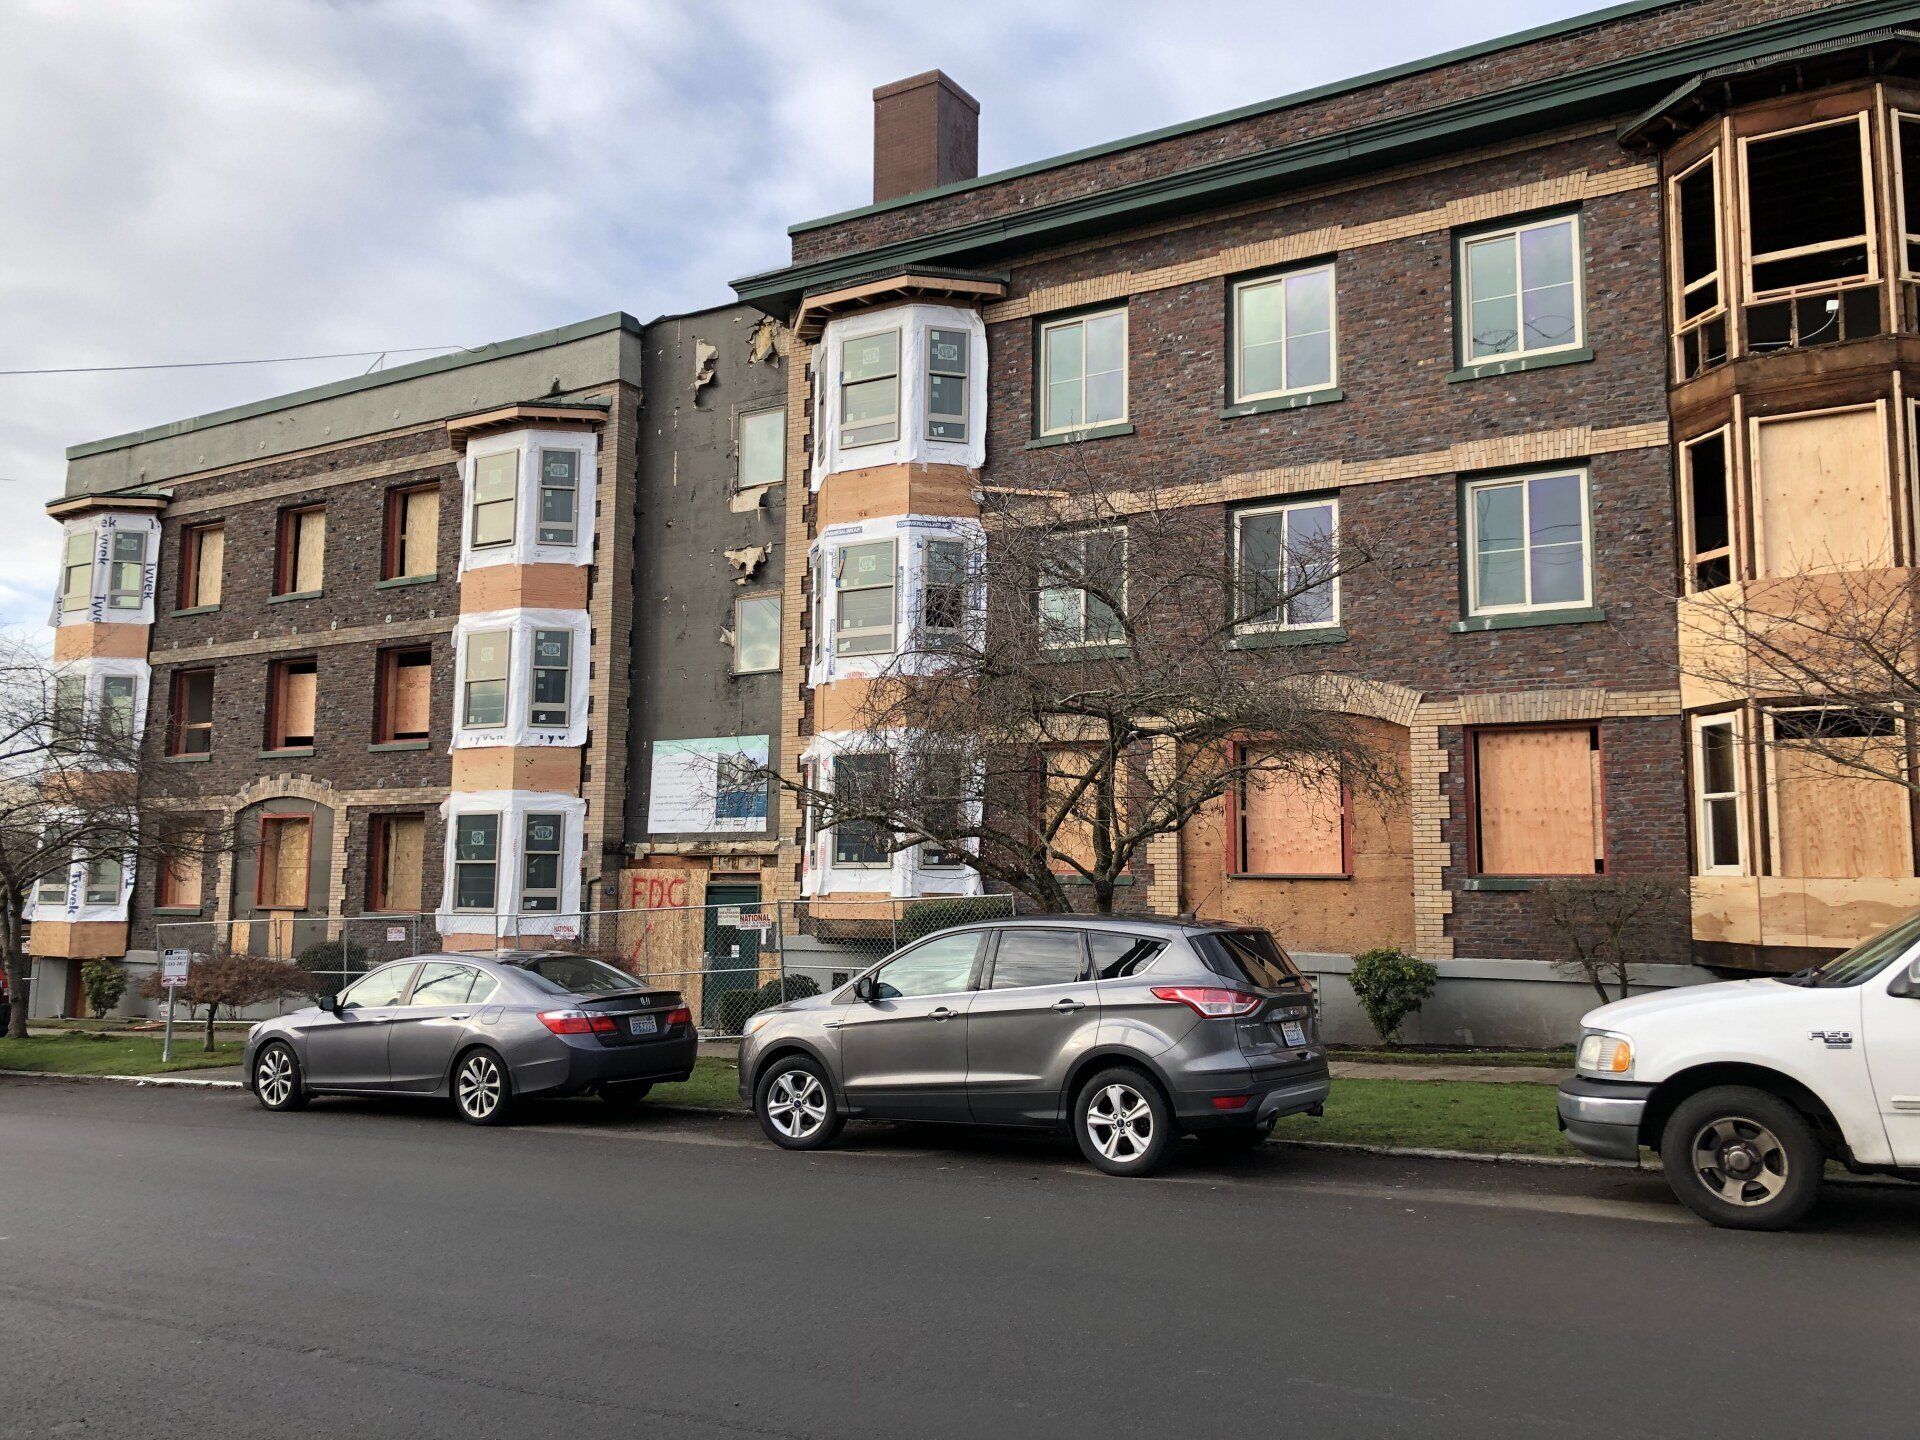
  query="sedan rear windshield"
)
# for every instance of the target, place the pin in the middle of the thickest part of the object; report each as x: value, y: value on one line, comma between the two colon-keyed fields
x: 577, y: 975
x: 1251, y: 956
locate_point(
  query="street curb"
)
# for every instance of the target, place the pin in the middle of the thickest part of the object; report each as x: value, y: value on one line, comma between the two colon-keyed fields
x: 186, y: 1080
x: 1484, y: 1157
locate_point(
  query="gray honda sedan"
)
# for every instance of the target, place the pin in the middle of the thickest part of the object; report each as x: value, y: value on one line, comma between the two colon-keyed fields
x: 483, y: 1031
x: 1127, y: 1032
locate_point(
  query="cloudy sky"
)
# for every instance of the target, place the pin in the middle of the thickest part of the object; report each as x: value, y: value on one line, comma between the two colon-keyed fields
x: 192, y: 180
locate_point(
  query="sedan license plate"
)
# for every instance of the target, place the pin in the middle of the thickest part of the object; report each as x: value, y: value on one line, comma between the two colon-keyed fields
x: 1293, y: 1032
x: 646, y: 1024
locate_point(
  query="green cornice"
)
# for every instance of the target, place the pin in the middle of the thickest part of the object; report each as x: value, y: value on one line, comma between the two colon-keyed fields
x: 499, y: 350
x: 1606, y: 89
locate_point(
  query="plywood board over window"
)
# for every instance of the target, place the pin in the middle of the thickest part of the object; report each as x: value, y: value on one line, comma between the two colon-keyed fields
x: 396, y: 864
x: 285, y: 847
x: 1831, y: 819
x: 1537, y: 801
x: 1823, y: 496
x: 1292, y: 824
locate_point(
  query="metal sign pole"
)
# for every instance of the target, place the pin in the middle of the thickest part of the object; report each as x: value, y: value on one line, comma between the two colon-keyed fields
x: 166, y: 1043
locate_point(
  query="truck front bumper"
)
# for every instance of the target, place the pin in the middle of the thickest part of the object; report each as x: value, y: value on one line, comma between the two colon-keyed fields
x: 1602, y: 1117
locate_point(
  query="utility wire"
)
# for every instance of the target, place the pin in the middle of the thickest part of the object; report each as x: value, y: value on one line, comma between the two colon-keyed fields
x: 208, y: 364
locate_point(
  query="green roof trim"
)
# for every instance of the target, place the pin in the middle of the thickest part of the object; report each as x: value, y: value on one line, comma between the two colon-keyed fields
x: 499, y: 350
x: 1475, y: 51
x: 1599, y: 90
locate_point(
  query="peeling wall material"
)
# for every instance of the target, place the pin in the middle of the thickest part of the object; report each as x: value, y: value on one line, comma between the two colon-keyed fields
x: 768, y: 342
x: 706, y: 358
x: 746, y: 561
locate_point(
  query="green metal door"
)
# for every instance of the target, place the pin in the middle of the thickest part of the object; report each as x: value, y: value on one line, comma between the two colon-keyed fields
x: 732, y: 951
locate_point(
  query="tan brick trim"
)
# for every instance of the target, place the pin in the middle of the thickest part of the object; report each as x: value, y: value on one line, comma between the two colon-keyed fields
x: 1528, y: 707
x: 793, y: 639
x: 1302, y: 245
x: 1541, y: 447
x: 304, y: 640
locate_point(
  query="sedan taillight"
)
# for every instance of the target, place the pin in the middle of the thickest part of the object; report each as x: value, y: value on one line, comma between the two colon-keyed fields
x: 577, y: 1022
x: 1216, y: 1003
x: 679, y: 1015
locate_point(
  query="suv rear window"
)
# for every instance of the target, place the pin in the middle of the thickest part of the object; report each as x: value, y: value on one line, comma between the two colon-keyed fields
x: 1252, y: 957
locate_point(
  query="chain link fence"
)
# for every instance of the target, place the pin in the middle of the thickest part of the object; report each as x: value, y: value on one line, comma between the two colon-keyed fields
x: 727, y: 961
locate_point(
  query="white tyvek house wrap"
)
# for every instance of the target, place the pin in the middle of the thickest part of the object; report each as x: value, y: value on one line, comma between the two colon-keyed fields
x: 911, y: 533
x: 913, y: 322
x: 525, y: 548
x: 96, y: 669
x: 506, y: 919
x: 520, y: 729
x: 72, y: 907
x: 103, y: 528
x: 904, y: 876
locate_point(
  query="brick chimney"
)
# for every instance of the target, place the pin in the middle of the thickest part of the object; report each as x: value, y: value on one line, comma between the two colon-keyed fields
x: 926, y: 132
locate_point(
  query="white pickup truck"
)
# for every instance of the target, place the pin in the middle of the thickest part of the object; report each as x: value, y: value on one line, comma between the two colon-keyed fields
x: 1748, y: 1088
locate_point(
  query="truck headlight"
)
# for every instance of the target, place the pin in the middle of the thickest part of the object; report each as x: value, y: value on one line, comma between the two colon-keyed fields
x: 1602, y: 1053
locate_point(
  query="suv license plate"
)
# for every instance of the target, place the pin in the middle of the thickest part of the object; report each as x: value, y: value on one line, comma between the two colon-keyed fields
x: 645, y: 1024
x: 1293, y: 1032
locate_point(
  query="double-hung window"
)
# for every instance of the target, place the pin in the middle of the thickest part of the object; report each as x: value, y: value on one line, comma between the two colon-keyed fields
x: 943, y: 602
x: 947, y: 385
x: 1285, y: 566
x: 559, y: 497
x: 552, y: 676
x: 540, y: 863
x: 484, y: 705
x: 117, y: 717
x: 1283, y: 334
x: 76, y: 572
x: 496, y: 490
x: 1718, y: 820
x: 69, y: 708
x: 103, y: 879
x: 1086, y: 568
x: 863, y: 587
x: 861, y: 781
x: 127, y: 568
x: 870, y: 389
x: 1521, y: 291
x: 476, y: 862
x: 1083, y: 372
x: 1528, y: 545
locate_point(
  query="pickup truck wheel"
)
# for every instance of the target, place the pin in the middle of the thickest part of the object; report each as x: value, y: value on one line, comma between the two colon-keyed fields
x: 1742, y: 1158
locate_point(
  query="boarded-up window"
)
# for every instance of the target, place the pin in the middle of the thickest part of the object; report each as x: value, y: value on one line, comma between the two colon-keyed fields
x: 203, y: 553
x: 180, y: 872
x: 301, y: 555
x: 1062, y: 770
x: 1291, y: 823
x: 1831, y: 818
x: 281, y: 881
x: 413, y: 533
x: 405, y: 694
x: 290, y: 703
x: 1822, y: 482
x: 396, y: 861
x: 1537, y: 801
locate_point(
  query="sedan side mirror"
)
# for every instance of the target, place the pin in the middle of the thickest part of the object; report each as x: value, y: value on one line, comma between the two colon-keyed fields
x: 1907, y: 985
x: 330, y: 1004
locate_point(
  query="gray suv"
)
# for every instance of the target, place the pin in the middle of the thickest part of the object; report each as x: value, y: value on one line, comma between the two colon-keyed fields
x: 1129, y: 1032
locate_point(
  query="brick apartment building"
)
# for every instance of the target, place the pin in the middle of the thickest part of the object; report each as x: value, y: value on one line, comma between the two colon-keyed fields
x: 1489, y: 305
x: 1590, y: 320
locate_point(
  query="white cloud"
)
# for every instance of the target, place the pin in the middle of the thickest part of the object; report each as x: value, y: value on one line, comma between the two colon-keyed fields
x: 214, y: 179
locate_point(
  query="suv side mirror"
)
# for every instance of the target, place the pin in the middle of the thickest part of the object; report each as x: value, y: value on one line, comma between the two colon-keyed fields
x: 865, y: 990
x: 1907, y: 985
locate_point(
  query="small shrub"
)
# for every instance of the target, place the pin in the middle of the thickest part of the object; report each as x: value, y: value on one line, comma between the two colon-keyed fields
x: 923, y: 917
x: 324, y: 960
x: 104, y: 982
x: 734, y: 1008
x: 1390, y: 986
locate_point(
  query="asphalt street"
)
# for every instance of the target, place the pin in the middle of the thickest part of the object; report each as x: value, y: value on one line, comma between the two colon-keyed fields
x: 181, y: 1263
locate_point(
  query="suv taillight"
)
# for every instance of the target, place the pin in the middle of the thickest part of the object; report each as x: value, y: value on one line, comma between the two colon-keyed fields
x: 1216, y: 1003
x: 577, y: 1022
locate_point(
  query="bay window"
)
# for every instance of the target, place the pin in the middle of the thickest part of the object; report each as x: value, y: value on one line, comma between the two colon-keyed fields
x: 947, y: 385
x: 496, y: 491
x: 864, y: 588
x: 552, y: 678
x: 859, y: 780
x: 76, y: 572
x: 126, y: 570
x: 559, y: 511
x: 540, y: 863
x: 870, y: 390
x: 484, y: 705
x: 476, y: 862
x: 1719, y: 820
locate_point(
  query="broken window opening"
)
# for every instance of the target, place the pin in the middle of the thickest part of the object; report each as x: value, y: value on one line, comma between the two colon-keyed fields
x: 1709, y: 512
x: 1809, y: 224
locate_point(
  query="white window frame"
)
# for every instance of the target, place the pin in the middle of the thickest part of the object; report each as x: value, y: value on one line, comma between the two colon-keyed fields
x: 1703, y: 799
x: 1048, y: 330
x: 1870, y: 208
x: 542, y: 487
x: 965, y: 376
x: 504, y: 681
x: 885, y: 862
x: 1283, y: 279
x: 1126, y: 579
x: 1470, y: 542
x: 772, y: 598
x: 1464, y: 269
x: 1256, y: 627
x: 512, y: 501
x: 841, y: 631
x: 118, y: 596
x: 841, y: 384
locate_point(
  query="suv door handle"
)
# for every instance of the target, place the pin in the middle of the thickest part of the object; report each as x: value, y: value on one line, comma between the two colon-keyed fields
x: 1066, y: 1005
x: 942, y: 1013
x: 459, y: 1017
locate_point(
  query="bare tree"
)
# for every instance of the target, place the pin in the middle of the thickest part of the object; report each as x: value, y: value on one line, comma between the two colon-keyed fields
x: 1834, y: 653
x: 1598, y: 927
x: 76, y: 789
x: 1102, y: 671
